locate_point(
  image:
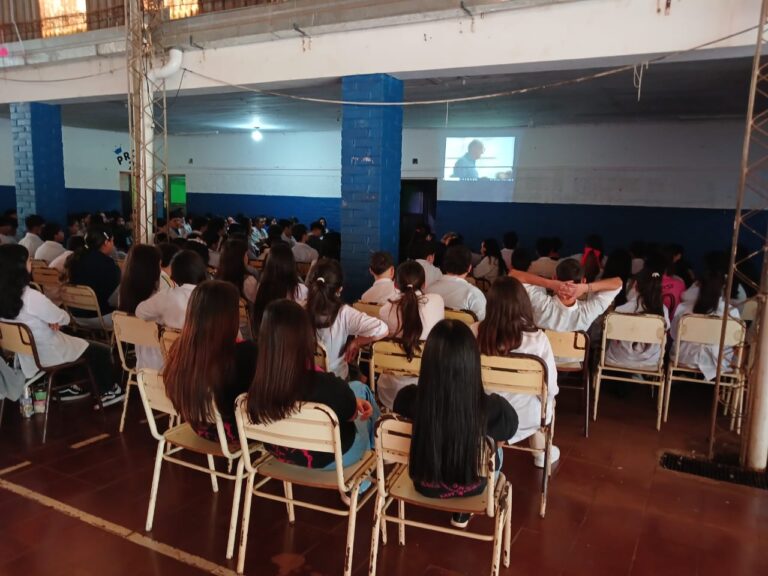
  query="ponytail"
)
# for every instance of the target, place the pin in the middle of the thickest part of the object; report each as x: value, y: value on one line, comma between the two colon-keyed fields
x: 649, y: 292
x: 323, y: 297
x: 410, y: 280
x: 712, y: 284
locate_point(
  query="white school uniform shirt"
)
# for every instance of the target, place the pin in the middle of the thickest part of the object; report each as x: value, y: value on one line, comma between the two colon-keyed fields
x: 634, y: 354
x: 349, y: 322
x: 304, y: 253
x: 487, y: 268
x: 459, y: 294
x: 5, y: 239
x: 550, y: 313
x: 431, y: 311
x: 700, y: 356
x: 431, y: 273
x: 527, y: 406
x: 53, y: 346
x: 506, y: 255
x: 49, y: 251
x: 167, y: 308
x: 544, y: 267
x: 165, y: 282
x: 60, y: 260
x: 382, y: 290
x: 31, y: 242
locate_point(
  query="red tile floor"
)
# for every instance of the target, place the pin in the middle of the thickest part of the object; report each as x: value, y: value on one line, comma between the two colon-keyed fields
x: 612, y: 510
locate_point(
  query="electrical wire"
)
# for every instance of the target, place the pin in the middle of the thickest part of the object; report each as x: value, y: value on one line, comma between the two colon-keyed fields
x: 52, y: 80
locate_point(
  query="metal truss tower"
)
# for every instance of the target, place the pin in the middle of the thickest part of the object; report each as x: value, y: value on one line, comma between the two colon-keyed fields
x: 749, y: 267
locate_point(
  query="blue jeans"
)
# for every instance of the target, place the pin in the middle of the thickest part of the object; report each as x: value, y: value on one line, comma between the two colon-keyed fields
x: 364, y: 440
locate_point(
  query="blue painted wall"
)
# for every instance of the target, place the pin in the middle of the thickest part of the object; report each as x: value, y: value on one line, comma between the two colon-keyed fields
x: 7, y: 198
x: 90, y: 200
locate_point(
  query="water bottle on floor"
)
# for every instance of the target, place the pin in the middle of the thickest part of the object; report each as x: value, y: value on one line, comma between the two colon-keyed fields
x: 25, y: 403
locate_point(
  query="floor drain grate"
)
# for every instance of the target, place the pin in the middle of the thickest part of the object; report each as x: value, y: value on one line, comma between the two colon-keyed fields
x: 714, y: 470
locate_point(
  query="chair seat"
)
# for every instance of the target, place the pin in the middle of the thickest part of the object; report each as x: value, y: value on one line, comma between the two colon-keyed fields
x: 186, y: 437
x: 569, y: 366
x: 402, y: 488
x: 273, y: 468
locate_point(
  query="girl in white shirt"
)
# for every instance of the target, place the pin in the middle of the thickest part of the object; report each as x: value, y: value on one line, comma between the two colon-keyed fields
x: 20, y: 303
x: 709, y: 301
x: 410, y: 317
x: 233, y: 268
x: 644, y: 298
x: 279, y: 279
x: 509, y: 327
x: 492, y: 265
x: 334, y: 321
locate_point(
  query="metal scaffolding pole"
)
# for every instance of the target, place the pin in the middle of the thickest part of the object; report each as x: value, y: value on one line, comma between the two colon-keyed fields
x: 749, y: 408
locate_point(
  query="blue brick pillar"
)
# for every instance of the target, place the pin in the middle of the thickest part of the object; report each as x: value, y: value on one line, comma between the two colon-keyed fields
x: 371, y: 149
x: 38, y: 157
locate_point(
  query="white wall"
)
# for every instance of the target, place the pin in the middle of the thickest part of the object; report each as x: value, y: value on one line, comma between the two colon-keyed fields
x: 90, y: 159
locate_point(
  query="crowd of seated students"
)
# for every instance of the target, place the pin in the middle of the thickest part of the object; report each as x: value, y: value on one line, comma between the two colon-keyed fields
x: 197, y: 272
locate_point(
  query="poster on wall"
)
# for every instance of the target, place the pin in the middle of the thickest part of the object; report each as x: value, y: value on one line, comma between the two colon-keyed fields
x: 478, y: 169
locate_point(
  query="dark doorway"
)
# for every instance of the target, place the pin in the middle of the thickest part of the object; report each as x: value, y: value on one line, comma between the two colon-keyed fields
x: 418, y: 206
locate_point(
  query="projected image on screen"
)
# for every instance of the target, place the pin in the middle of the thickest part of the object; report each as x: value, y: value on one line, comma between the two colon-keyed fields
x: 490, y: 158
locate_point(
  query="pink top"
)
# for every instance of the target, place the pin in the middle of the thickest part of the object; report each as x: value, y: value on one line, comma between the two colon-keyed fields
x: 672, y: 289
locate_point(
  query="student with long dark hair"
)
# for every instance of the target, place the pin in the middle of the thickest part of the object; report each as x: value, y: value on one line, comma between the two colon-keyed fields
x: 452, y: 416
x: 94, y: 267
x: 410, y: 316
x: 207, y: 363
x: 509, y: 327
x: 491, y: 265
x: 279, y: 279
x: 20, y: 303
x: 334, y: 321
x: 710, y: 301
x: 141, y: 277
x: 285, y: 378
x: 645, y: 297
x: 233, y: 268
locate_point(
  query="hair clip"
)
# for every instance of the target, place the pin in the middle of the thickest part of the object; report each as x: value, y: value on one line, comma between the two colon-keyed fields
x: 409, y: 285
x: 655, y: 275
x: 320, y: 279
x: 106, y: 236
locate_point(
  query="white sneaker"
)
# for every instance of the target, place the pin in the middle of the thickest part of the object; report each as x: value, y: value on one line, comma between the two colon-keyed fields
x: 554, y: 456
x: 114, y: 396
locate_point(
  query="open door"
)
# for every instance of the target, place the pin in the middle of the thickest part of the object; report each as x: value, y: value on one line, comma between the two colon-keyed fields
x: 418, y: 208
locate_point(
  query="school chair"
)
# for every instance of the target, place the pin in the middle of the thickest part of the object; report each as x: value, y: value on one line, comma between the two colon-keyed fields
x: 466, y: 316
x: 393, y: 446
x: 640, y: 328
x: 38, y: 264
x: 524, y: 374
x: 76, y: 299
x: 17, y: 338
x: 167, y: 337
x: 571, y: 350
x: 388, y: 357
x: 257, y: 263
x: 132, y: 331
x: 313, y: 427
x: 368, y: 308
x: 49, y: 281
x: 303, y: 268
x: 180, y: 437
x: 706, y: 331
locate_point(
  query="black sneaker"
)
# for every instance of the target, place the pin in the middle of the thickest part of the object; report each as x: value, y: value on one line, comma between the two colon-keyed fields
x: 71, y: 393
x: 114, y: 396
x: 459, y: 520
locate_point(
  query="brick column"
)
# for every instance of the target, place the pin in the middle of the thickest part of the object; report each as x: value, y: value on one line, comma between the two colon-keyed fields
x: 371, y: 150
x: 38, y: 157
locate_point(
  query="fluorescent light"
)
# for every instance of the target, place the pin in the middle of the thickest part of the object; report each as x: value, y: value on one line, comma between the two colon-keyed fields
x: 257, y: 136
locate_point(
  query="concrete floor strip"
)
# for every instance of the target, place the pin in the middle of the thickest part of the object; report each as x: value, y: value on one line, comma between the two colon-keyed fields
x: 15, y: 467
x: 114, y: 529
x: 89, y: 441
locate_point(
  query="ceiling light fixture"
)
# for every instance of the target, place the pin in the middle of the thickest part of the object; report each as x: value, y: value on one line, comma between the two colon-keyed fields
x: 256, y: 135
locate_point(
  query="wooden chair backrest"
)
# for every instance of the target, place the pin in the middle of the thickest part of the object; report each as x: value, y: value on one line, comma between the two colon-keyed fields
x: 388, y: 357
x: 46, y: 277
x: 515, y: 374
x: 568, y: 344
x: 39, y: 264
x: 702, y: 329
x: 367, y: 308
x: 167, y: 338
x: 644, y: 328
x: 466, y: 316
x: 749, y: 311
x: 153, y: 392
x: 16, y: 338
x: 79, y: 297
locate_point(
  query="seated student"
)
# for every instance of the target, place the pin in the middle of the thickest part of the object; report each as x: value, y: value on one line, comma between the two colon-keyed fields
x: 74, y: 243
x: 672, y: 286
x: 645, y: 297
x: 457, y: 293
x: 592, y: 259
x: 544, y: 265
x: 331, y: 247
x: 410, y: 316
x: 199, y: 247
x: 141, y: 277
x: 521, y: 259
x: 285, y: 377
x: 32, y: 240
x: 509, y: 327
x: 565, y: 311
x: 619, y: 265
x: 637, y: 250
x: 94, y: 267
x: 302, y: 252
x: 169, y: 307
x: 233, y: 268
x: 279, y: 279
x: 167, y: 252
x: 286, y: 232
x: 492, y: 265
x: 709, y: 300
x: 20, y: 303
x: 334, y: 321
x: 382, y: 268
x: 52, y: 236
x: 7, y: 230
x: 452, y: 417
x: 423, y: 251
x: 510, y: 243
x: 207, y: 362
x: 316, y: 233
